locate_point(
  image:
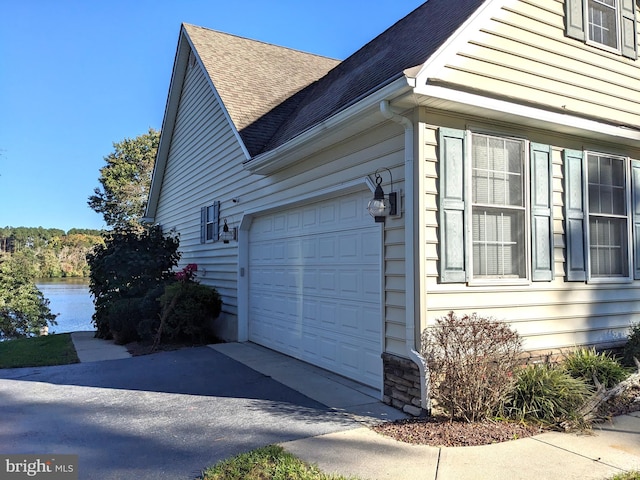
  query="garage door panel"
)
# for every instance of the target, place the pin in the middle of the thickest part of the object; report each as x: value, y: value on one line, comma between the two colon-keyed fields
x: 314, y: 286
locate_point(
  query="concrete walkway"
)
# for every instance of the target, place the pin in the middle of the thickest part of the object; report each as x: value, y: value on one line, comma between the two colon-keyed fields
x: 91, y: 349
x: 611, y: 448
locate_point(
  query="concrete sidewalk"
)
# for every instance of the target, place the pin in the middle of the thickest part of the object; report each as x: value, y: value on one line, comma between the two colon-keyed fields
x: 91, y: 349
x: 612, y: 448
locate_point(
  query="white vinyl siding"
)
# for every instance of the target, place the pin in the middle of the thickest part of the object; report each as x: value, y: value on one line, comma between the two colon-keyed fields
x: 523, y: 55
x: 553, y: 314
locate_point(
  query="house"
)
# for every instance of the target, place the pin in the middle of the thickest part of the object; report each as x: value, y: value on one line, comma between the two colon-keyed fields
x: 509, y: 132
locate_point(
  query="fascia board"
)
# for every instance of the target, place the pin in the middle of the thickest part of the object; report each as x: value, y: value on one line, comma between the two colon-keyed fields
x: 545, y: 118
x: 292, y: 150
x: 436, y: 62
x: 168, y: 123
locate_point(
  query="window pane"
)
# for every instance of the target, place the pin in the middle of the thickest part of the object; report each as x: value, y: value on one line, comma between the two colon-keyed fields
x: 608, y: 246
x: 606, y: 190
x: 602, y: 22
x: 497, y: 171
x: 498, y: 243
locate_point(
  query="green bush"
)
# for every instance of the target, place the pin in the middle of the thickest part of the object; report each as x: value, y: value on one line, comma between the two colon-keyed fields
x: 471, y: 361
x: 585, y: 363
x: 131, y: 263
x: 122, y: 317
x: 546, y: 394
x: 188, y: 309
x: 632, y: 347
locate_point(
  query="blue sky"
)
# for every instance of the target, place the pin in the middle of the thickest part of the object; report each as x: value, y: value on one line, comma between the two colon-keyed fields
x: 78, y: 75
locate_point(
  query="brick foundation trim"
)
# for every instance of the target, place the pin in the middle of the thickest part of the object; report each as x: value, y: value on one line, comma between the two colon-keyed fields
x: 402, y: 388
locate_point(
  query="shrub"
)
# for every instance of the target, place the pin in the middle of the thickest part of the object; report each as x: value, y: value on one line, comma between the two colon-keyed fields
x: 632, y: 347
x: 188, y: 309
x: 122, y: 317
x: 585, y: 363
x: 129, y: 264
x: 471, y: 361
x: 546, y: 394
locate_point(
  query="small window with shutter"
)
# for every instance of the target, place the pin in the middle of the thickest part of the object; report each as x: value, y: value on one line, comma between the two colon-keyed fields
x: 210, y: 223
x: 607, y: 24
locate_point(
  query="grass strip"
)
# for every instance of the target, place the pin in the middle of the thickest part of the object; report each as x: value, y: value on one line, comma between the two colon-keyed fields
x: 42, y: 351
x: 270, y: 462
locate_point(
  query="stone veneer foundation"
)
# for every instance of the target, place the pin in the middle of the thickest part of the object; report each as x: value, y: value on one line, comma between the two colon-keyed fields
x: 402, y: 385
x: 402, y: 377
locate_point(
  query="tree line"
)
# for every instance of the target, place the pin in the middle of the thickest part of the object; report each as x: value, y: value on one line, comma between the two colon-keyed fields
x: 30, y: 253
x: 49, y: 252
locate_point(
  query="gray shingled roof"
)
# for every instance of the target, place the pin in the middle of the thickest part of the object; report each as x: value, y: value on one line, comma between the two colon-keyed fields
x: 269, y: 115
x: 255, y: 78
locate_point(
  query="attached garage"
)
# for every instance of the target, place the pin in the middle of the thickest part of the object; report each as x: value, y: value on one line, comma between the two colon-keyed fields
x: 315, y: 288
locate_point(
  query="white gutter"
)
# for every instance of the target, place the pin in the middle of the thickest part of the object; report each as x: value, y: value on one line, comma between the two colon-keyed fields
x: 293, y: 149
x: 409, y: 245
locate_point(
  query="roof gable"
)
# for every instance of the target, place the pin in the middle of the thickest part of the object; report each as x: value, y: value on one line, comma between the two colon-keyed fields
x: 254, y: 79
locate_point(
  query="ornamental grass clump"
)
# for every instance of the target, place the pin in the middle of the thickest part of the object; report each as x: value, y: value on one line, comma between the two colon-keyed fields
x: 548, y: 395
x: 632, y: 347
x: 587, y: 364
x: 471, y: 362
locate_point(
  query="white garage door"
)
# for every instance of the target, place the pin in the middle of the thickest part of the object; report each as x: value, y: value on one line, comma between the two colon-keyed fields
x: 314, y: 286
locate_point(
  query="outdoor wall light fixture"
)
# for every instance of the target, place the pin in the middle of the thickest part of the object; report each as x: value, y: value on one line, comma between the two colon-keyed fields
x: 383, y: 205
x: 228, y: 234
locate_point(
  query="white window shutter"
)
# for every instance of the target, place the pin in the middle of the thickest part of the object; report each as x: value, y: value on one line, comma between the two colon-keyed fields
x: 574, y: 217
x: 452, y: 206
x: 541, y: 213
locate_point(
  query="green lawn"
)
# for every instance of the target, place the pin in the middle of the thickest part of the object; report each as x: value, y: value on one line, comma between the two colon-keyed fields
x: 47, y: 350
x: 270, y: 462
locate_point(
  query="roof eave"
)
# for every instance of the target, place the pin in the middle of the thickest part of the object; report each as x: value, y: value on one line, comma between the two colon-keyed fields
x: 324, y: 133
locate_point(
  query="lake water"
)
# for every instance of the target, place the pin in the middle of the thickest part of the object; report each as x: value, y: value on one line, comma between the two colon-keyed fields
x: 70, y: 299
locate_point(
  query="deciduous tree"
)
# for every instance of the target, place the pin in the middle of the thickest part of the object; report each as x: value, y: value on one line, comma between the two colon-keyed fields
x: 23, y: 309
x: 125, y: 181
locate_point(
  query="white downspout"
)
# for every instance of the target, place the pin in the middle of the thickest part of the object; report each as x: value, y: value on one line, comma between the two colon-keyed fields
x: 409, y: 229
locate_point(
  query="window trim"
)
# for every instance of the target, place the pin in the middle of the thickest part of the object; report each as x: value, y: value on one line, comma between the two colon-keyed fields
x: 472, y: 279
x: 618, y: 34
x: 215, y: 223
x: 628, y: 220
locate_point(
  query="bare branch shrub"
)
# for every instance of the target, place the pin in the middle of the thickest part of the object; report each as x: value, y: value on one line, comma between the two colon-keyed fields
x: 471, y: 362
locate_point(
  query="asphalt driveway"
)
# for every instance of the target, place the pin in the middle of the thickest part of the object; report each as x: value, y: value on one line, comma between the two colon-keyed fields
x: 161, y: 416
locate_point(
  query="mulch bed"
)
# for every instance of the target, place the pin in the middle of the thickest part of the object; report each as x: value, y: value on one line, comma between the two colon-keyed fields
x: 440, y: 432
